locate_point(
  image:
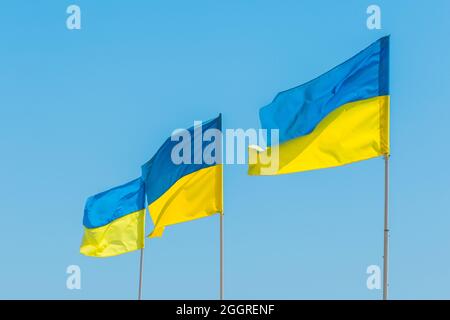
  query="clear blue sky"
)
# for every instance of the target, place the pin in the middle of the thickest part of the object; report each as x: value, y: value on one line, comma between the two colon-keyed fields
x: 80, y: 111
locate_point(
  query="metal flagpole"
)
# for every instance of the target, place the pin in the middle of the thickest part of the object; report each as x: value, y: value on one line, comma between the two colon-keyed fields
x: 141, y: 262
x: 141, y: 269
x: 221, y: 294
x: 221, y: 256
x: 386, y: 228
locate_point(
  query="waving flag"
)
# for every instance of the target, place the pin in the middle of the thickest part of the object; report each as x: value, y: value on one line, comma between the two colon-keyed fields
x: 114, y: 221
x: 338, y: 118
x: 183, y: 180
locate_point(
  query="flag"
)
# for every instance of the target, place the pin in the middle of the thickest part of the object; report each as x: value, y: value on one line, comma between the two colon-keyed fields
x: 114, y: 221
x: 183, y: 180
x: 338, y: 118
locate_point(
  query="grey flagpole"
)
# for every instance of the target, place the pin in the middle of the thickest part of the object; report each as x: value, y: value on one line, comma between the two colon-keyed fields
x: 386, y: 228
x: 221, y: 257
x: 141, y: 262
x: 141, y: 268
x: 221, y: 294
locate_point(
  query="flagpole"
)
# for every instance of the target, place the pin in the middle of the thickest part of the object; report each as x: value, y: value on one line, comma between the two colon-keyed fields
x: 141, y: 262
x: 221, y: 293
x: 221, y: 257
x: 141, y: 269
x: 386, y: 228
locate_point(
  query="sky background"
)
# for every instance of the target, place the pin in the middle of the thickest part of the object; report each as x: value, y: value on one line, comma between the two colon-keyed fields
x: 81, y: 110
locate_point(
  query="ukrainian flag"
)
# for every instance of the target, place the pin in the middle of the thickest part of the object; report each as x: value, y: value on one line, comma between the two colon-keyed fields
x: 338, y: 118
x: 114, y: 221
x: 180, y: 191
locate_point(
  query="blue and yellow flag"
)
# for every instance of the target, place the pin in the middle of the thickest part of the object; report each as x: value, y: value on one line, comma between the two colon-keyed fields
x: 338, y: 118
x: 183, y: 180
x: 114, y: 221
